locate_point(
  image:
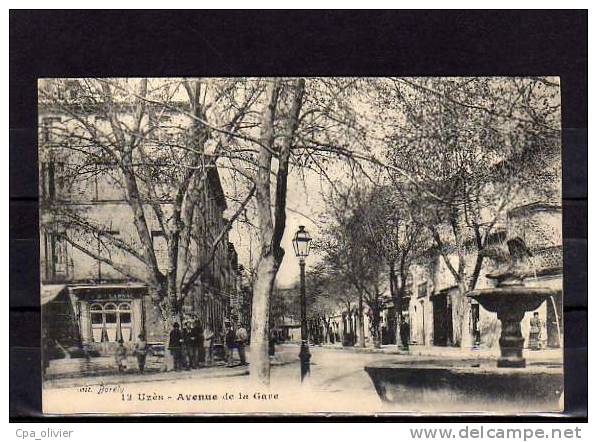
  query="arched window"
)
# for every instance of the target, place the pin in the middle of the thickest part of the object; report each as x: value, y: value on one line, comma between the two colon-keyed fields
x: 126, y: 325
x: 97, y: 321
x: 111, y: 321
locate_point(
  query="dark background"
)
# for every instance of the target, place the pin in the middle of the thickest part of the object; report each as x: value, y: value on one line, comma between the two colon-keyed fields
x: 268, y: 43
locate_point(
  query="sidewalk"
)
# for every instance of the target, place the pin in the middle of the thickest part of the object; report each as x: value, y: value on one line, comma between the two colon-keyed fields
x: 134, y: 377
x: 445, y: 352
x: 64, y: 373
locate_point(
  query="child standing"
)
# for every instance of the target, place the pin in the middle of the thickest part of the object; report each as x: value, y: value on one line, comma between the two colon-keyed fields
x: 141, y: 352
x: 121, y: 356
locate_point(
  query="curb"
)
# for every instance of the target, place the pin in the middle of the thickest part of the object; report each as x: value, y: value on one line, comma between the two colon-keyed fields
x: 104, y: 378
x: 133, y: 378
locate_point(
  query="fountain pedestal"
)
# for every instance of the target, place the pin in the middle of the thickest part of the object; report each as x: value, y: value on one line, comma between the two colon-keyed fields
x: 511, y: 340
x: 510, y: 303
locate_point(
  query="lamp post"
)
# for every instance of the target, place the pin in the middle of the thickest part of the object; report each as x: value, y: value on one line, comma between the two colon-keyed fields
x: 301, y: 244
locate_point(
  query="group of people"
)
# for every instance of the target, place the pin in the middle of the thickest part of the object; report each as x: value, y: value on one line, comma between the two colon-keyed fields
x: 191, y: 347
x: 236, y: 338
x: 139, y: 351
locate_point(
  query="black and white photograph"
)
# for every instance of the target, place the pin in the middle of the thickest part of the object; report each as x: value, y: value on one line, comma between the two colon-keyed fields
x: 307, y: 245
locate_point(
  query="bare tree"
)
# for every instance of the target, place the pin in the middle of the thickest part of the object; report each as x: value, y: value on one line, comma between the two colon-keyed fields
x: 475, y: 145
x: 349, y: 250
x: 146, y: 140
x: 395, y: 236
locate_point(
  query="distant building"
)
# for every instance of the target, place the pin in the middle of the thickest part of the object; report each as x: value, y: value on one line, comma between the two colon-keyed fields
x: 433, y: 296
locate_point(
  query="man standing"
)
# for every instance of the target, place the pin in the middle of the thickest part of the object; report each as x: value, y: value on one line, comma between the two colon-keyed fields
x: 197, y: 354
x: 230, y: 340
x: 404, y: 332
x: 140, y: 352
x: 535, y: 332
x: 241, y: 339
x: 121, y: 356
x: 188, y: 341
x: 208, y: 346
x: 175, y: 344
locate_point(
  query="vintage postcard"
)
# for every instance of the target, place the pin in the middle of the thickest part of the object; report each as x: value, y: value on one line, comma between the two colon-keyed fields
x: 301, y: 245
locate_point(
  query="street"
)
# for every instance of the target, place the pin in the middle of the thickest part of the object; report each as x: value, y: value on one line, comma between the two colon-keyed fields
x: 455, y: 248
x: 337, y: 382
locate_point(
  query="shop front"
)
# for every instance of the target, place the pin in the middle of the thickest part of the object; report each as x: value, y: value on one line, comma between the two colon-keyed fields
x: 108, y: 314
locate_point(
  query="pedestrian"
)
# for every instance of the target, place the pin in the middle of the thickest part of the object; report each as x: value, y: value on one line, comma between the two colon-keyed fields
x: 405, y: 332
x: 272, y: 343
x: 175, y: 345
x: 230, y: 341
x: 45, y: 351
x: 188, y: 345
x: 240, y: 341
x: 535, y: 332
x: 140, y: 352
x: 208, y: 346
x: 120, y: 356
x: 197, y: 354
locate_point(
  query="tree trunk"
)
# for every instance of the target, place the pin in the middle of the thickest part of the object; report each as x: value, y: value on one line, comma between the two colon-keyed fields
x: 376, y: 320
x: 465, y: 329
x: 361, y: 322
x: 271, y: 230
x: 264, y: 283
x: 396, y: 293
x: 476, y: 271
x: 170, y: 315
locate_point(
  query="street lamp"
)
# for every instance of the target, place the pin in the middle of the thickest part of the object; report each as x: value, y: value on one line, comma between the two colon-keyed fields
x: 301, y: 244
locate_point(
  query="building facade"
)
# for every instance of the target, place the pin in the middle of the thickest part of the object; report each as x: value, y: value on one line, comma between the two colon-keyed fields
x: 434, y: 302
x: 86, y: 301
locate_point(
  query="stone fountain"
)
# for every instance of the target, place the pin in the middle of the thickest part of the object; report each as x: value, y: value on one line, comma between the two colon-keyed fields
x: 510, y: 299
x: 457, y: 384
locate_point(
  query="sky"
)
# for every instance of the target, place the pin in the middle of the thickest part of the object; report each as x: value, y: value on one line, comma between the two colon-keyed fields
x: 304, y: 206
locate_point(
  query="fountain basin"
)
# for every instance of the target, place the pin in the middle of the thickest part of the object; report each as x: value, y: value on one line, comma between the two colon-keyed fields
x: 511, y: 302
x: 468, y: 385
x: 515, y: 297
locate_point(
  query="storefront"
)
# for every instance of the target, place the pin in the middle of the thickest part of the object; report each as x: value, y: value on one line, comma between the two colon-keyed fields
x: 109, y: 313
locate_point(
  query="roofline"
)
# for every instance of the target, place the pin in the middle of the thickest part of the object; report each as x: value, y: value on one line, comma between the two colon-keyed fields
x: 77, y: 287
x: 536, y: 205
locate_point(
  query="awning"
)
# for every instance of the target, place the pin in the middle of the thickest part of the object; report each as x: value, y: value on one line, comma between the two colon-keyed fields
x: 444, y: 291
x: 50, y: 292
x: 107, y: 289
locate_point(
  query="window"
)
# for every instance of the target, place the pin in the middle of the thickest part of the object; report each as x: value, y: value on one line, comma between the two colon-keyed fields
x: 106, y: 186
x: 52, y: 173
x: 48, y: 128
x: 160, y: 247
x: 96, y: 314
x: 111, y: 322
x: 110, y: 313
x: 422, y: 290
x: 125, y: 321
x: 56, y: 253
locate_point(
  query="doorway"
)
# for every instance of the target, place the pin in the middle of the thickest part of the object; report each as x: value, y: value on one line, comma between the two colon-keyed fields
x: 422, y: 322
x: 476, y: 329
x: 442, y: 320
x: 554, y: 320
